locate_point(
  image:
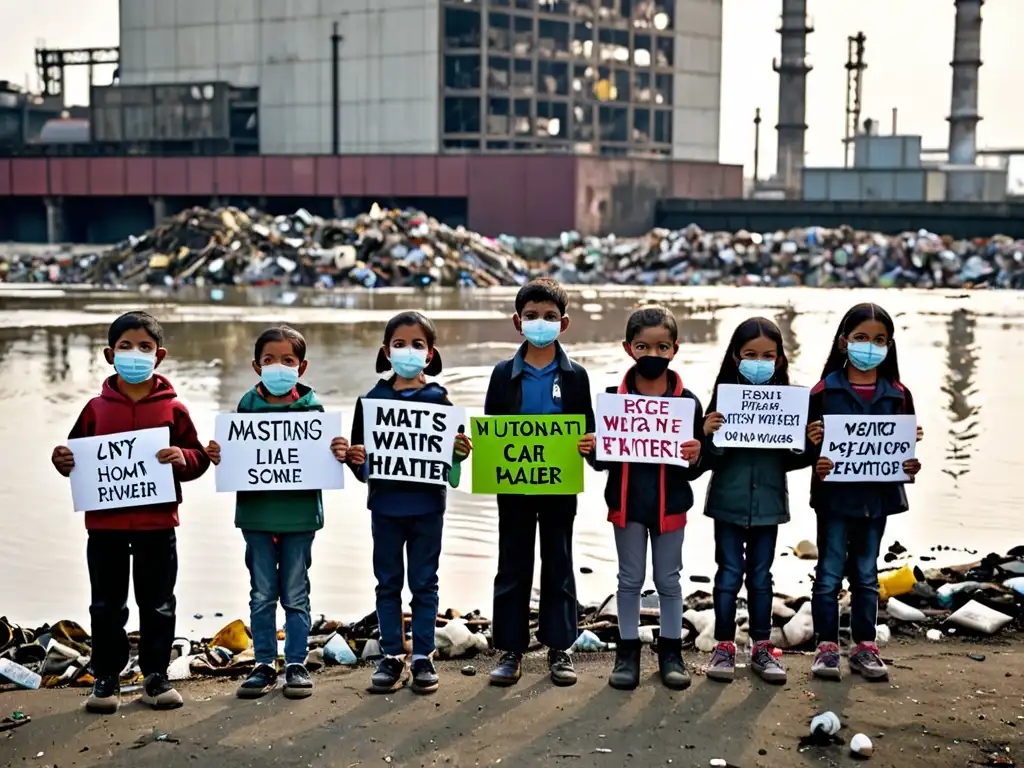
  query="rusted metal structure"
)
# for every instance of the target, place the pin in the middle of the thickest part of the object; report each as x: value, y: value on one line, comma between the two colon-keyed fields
x: 855, y: 66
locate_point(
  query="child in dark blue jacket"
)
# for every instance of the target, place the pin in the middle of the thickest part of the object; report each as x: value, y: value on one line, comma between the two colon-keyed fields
x: 748, y: 500
x: 407, y: 517
x: 861, y: 377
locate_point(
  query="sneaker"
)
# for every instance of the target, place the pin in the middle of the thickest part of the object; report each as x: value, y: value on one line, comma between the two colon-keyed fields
x: 106, y: 696
x: 626, y: 673
x: 158, y: 693
x: 826, y: 662
x: 865, y: 661
x: 424, y: 676
x: 297, y: 684
x: 391, y: 675
x: 509, y: 669
x: 260, y: 682
x: 562, y: 670
x: 722, y: 666
x: 671, y: 665
x: 764, y: 663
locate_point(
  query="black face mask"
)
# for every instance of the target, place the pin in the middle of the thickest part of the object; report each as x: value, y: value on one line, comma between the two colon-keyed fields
x: 651, y: 367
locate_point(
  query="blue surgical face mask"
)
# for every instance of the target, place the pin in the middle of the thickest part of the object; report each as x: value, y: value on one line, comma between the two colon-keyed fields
x: 866, y: 356
x: 541, y: 333
x: 279, y: 379
x: 757, y: 371
x: 408, y: 362
x: 133, y: 366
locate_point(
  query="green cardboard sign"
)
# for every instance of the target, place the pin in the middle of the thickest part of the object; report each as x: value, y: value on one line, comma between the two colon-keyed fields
x: 527, y: 455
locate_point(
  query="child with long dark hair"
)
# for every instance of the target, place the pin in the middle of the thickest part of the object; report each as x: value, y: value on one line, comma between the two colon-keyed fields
x: 748, y: 500
x: 407, y: 518
x: 861, y: 377
x: 650, y: 502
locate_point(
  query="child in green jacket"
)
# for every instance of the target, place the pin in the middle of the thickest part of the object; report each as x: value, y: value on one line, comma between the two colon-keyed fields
x: 279, y: 526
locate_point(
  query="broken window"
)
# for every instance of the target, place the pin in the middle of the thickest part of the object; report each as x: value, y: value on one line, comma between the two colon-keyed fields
x: 641, y: 125
x: 553, y: 39
x: 665, y: 51
x: 663, y: 126
x: 522, y: 77
x: 498, y: 73
x: 642, y: 92
x: 461, y: 114
x: 553, y: 119
x: 553, y: 78
x: 584, y: 81
x: 522, y: 36
x: 462, y: 72
x: 499, y: 32
x: 522, y: 122
x: 583, y: 40
x: 461, y: 28
x: 613, y: 124
x: 613, y: 46
x: 498, y: 116
x: 663, y: 89
x: 583, y: 123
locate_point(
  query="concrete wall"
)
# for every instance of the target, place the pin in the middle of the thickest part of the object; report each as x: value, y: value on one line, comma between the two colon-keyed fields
x: 389, y: 65
x: 697, y: 80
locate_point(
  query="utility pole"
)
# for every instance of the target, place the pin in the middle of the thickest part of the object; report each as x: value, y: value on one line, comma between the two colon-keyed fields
x: 336, y: 39
x: 757, y: 142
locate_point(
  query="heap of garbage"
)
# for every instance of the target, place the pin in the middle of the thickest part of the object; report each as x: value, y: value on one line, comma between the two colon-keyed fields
x: 403, y: 248
x: 980, y: 599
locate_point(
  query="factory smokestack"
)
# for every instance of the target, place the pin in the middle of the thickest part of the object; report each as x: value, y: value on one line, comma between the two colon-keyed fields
x: 792, y: 68
x: 963, y: 113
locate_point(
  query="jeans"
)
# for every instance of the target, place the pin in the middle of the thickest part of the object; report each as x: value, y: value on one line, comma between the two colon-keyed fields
x: 667, y: 563
x: 418, y: 538
x: 850, y: 546
x: 278, y: 566
x: 513, y: 584
x: 743, y: 552
x: 110, y: 555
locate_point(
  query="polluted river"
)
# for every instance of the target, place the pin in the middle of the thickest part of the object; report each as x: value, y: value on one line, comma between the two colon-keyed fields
x: 958, y: 354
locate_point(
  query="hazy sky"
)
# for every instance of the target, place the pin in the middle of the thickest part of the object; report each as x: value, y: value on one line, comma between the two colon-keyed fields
x: 909, y: 46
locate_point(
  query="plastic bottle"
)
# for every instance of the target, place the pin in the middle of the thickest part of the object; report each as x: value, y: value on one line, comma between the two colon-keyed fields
x: 742, y: 655
x: 946, y: 591
x: 19, y: 675
x: 898, y: 582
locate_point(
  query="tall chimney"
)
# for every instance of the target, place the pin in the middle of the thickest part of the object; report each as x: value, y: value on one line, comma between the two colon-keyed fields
x: 792, y: 68
x: 963, y: 112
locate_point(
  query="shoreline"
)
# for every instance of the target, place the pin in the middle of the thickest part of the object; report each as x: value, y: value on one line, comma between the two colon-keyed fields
x: 940, y: 708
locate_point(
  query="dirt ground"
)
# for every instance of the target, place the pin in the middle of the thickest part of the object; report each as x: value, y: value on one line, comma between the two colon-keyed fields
x: 941, y: 708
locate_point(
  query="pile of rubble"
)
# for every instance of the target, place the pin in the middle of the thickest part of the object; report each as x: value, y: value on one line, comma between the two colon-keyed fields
x: 408, y: 248
x: 976, y: 600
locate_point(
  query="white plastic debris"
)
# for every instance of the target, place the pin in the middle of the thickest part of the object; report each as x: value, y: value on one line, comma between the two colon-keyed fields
x: 934, y: 635
x: 980, y: 618
x: 826, y: 723
x: 456, y: 639
x: 861, y: 745
x: 882, y: 634
x: 902, y: 611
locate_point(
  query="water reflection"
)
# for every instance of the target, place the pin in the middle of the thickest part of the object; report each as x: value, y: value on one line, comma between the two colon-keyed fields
x: 961, y: 363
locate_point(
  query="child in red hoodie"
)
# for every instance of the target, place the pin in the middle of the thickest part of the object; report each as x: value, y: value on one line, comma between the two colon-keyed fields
x: 135, y: 398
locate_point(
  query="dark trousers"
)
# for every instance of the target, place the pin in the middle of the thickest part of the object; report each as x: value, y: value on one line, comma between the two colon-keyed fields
x: 110, y: 555
x: 741, y: 552
x: 847, y: 546
x: 513, y: 586
x: 418, y: 538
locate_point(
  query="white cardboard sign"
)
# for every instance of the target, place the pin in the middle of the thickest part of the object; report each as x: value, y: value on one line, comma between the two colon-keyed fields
x: 121, y: 470
x: 410, y: 441
x: 643, y: 430
x: 869, y: 449
x: 278, y: 451
x: 762, y: 416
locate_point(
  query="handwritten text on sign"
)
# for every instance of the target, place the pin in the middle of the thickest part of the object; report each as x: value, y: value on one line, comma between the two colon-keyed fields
x: 643, y: 430
x: 762, y: 416
x: 121, y: 470
x: 278, y: 451
x: 411, y: 442
x: 527, y: 455
x: 869, y: 448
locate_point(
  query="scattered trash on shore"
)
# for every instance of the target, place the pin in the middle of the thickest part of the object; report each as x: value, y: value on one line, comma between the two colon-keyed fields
x: 976, y: 600
x: 386, y: 248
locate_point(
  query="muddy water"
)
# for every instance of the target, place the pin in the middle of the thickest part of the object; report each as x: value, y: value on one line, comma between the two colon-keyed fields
x: 960, y: 355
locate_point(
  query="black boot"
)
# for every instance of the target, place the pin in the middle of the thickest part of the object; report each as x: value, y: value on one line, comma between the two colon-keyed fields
x: 671, y: 664
x: 626, y: 673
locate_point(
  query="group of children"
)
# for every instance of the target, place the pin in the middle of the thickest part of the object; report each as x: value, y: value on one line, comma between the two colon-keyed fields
x: 747, y: 498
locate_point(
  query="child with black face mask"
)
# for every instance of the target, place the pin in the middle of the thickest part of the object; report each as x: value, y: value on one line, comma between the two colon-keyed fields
x: 650, y: 501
